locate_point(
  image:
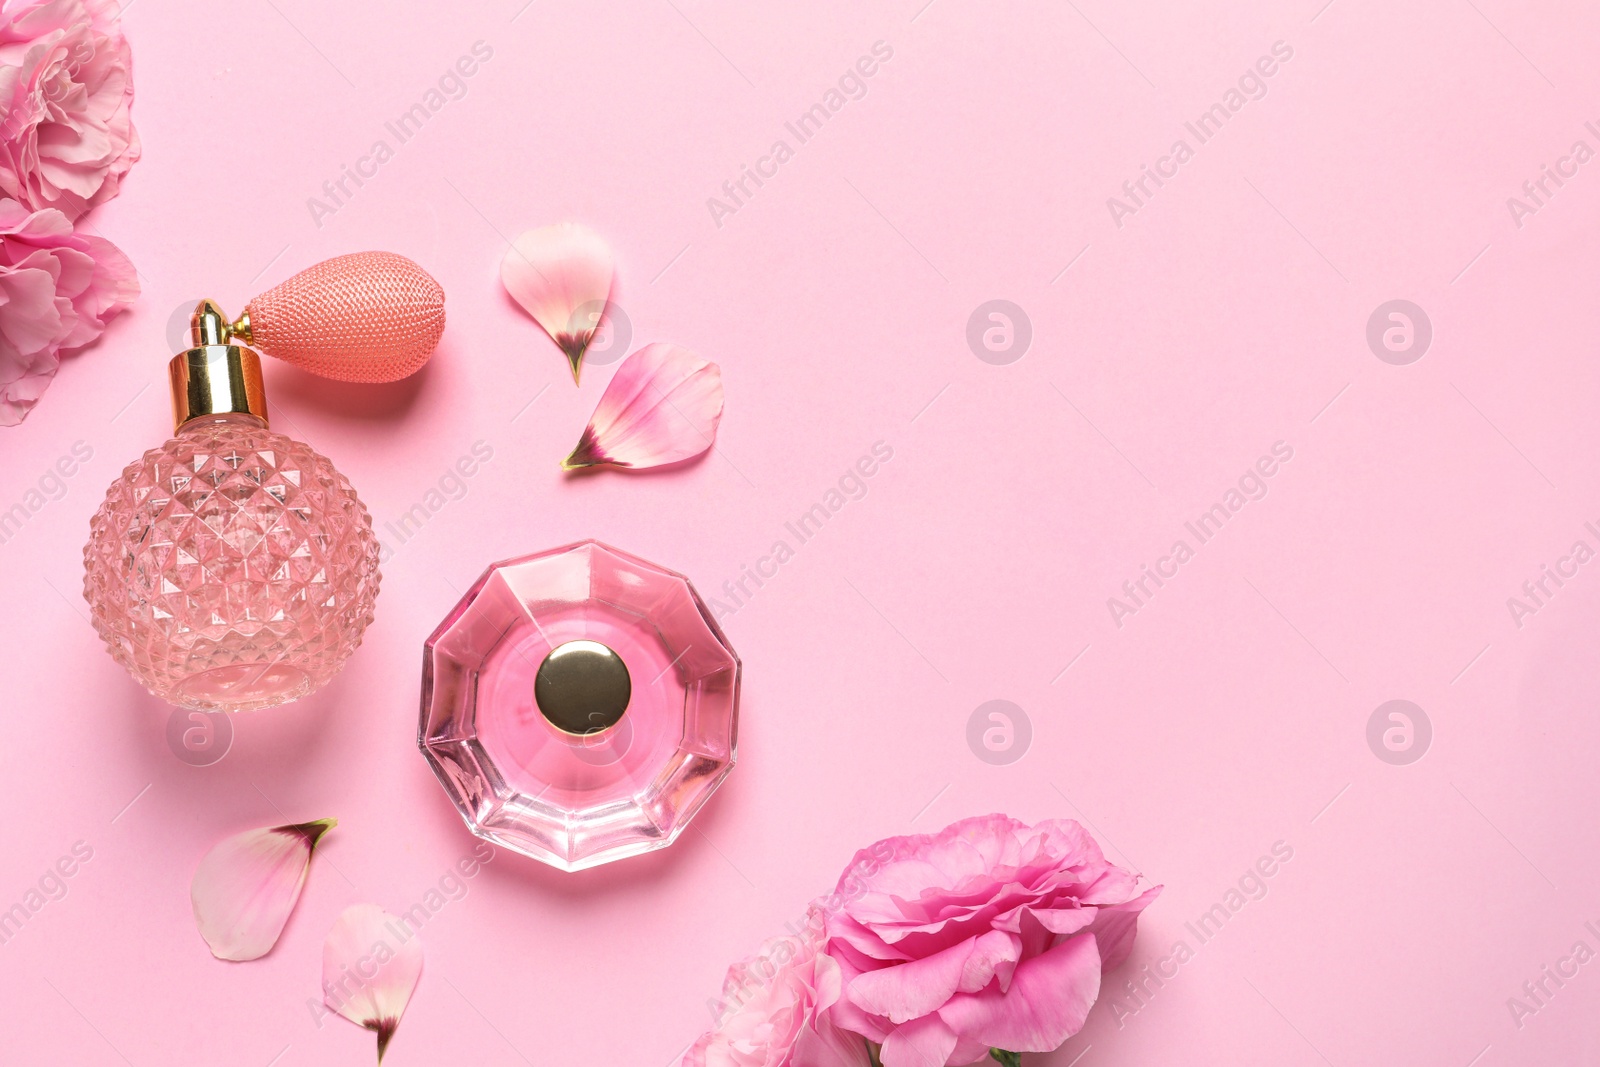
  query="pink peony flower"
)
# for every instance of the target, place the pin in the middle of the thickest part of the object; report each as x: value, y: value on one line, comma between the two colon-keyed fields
x: 988, y: 934
x: 66, y: 137
x: 58, y: 290
x: 771, y: 1012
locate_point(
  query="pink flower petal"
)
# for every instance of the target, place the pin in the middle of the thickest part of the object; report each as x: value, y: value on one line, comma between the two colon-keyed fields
x: 662, y: 406
x: 920, y: 986
x: 825, y: 1045
x: 1114, y: 927
x: 371, y: 963
x: 58, y: 289
x: 1049, y: 999
x: 773, y: 1010
x: 925, y: 1042
x: 997, y: 930
x: 246, y: 886
x: 65, y: 93
x: 561, y: 275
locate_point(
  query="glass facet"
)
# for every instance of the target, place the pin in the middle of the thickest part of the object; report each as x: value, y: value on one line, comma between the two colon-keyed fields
x: 232, y: 568
x: 519, y: 773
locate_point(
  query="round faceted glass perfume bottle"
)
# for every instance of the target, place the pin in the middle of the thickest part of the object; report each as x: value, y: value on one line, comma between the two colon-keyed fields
x: 232, y: 568
x: 579, y: 705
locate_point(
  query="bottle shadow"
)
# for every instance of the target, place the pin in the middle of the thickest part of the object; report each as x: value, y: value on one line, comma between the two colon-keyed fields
x: 201, y: 753
x: 353, y: 401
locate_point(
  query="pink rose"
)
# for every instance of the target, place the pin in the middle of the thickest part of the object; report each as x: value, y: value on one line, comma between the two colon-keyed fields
x: 988, y: 934
x: 58, y: 290
x: 771, y: 1010
x: 66, y: 139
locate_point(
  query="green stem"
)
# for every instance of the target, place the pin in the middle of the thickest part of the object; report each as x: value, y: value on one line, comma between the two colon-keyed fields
x: 1005, y: 1058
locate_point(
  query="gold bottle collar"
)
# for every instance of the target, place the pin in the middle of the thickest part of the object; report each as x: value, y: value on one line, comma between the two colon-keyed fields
x: 215, y: 377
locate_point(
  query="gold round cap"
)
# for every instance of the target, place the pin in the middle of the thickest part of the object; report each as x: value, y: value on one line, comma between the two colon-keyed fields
x: 215, y: 377
x: 582, y: 687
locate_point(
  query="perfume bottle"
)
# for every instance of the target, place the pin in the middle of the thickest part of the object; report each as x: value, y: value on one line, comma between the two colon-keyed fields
x: 233, y: 568
x: 579, y: 705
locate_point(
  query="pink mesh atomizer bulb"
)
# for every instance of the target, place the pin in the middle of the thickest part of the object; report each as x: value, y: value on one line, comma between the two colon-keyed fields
x: 235, y: 568
x: 365, y: 317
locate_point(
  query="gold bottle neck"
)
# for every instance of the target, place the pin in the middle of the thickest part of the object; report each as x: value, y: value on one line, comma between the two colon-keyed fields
x: 214, y: 377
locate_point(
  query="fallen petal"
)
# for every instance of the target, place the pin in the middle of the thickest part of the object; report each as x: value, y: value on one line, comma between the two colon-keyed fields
x: 561, y: 275
x: 370, y: 966
x: 662, y: 406
x: 246, y: 886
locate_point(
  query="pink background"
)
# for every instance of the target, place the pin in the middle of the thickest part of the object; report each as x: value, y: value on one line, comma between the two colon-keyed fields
x: 1228, y: 313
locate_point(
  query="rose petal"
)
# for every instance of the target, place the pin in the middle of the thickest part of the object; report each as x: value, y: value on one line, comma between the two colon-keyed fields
x: 246, y: 886
x: 561, y: 275
x: 995, y: 928
x: 826, y: 981
x: 1049, y: 999
x: 662, y: 406
x: 921, y: 986
x: 827, y: 1045
x: 58, y: 289
x: 65, y: 93
x: 1114, y: 928
x: 773, y: 1011
x: 1063, y: 920
x: 927, y: 1042
x: 371, y: 963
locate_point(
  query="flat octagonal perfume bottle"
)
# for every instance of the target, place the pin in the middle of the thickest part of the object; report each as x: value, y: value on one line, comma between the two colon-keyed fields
x: 579, y: 705
x: 232, y: 568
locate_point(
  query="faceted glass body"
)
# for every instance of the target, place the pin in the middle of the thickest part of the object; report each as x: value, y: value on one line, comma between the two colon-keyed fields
x: 232, y: 568
x: 577, y: 799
